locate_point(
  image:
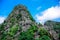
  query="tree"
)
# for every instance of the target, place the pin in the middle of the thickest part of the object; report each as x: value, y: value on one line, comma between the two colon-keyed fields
x: 43, y: 31
x: 25, y: 36
x: 44, y: 38
x: 59, y: 35
x: 29, y: 34
x: 13, y: 30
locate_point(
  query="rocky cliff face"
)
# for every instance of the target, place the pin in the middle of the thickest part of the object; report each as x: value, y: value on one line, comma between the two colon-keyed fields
x: 53, y: 28
x: 20, y: 25
x: 19, y: 17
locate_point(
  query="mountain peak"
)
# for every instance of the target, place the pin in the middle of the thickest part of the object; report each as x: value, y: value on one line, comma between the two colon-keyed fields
x: 20, y: 6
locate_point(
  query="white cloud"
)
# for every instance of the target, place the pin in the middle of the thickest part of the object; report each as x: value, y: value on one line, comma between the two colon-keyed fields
x: 2, y: 19
x: 49, y: 14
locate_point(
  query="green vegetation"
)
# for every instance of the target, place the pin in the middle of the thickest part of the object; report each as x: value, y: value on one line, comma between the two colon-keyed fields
x: 44, y: 38
x: 33, y: 28
x: 43, y: 31
x: 25, y: 36
x: 19, y: 16
x: 57, y: 27
x: 3, y: 37
x: 40, y: 24
x: 12, y: 20
x: 1, y: 27
x: 13, y: 30
x: 44, y: 34
x: 32, y: 18
x: 29, y: 34
x: 59, y: 35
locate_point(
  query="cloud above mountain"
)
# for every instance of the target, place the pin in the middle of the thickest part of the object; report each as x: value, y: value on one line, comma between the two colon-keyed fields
x: 2, y: 19
x: 48, y: 14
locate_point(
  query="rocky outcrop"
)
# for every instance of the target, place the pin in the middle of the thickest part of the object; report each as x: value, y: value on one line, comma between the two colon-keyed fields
x: 19, y: 16
x: 52, y: 27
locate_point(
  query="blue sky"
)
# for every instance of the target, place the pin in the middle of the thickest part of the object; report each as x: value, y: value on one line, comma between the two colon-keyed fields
x: 34, y: 6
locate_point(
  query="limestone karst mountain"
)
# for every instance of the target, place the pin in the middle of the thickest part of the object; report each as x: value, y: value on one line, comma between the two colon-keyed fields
x: 20, y: 25
x: 19, y: 17
x: 53, y: 28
